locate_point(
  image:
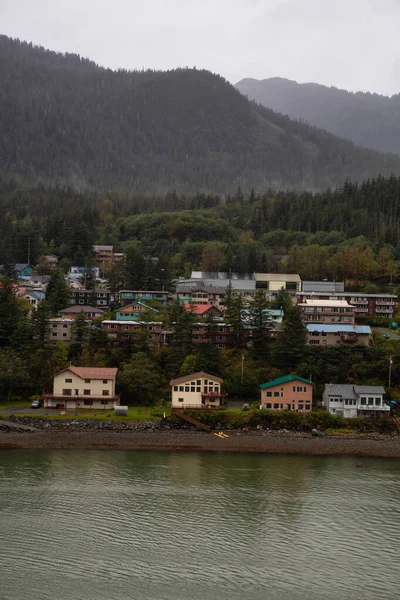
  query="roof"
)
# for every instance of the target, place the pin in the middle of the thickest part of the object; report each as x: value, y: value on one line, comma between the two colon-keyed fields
x: 128, y: 307
x: 98, y: 247
x: 348, y: 295
x: 328, y: 327
x: 277, y: 277
x: 343, y: 390
x: 199, y: 309
x: 37, y: 295
x: 322, y: 286
x: 84, y: 308
x: 195, y: 376
x: 323, y: 302
x: 211, y: 289
x: 21, y: 266
x: 284, y: 379
x: 92, y: 372
x: 369, y: 389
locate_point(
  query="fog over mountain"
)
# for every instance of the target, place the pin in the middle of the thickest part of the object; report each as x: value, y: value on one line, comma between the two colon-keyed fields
x: 366, y: 119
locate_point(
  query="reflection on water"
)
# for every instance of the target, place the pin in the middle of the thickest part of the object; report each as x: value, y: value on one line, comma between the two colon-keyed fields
x: 125, y: 525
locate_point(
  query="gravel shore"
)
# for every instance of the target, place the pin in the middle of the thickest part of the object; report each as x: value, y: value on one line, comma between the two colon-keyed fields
x: 188, y: 440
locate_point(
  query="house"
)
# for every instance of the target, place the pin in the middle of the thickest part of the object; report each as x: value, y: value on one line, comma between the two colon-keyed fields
x: 352, y: 401
x: 20, y: 270
x: 133, y: 312
x: 51, y: 260
x: 203, y: 310
x: 90, y: 312
x: 197, y: 391
x: 120, y: 332
x: 83, y: 387
x: 201, y: 295
x: 131, y: 296
x: 60, y: 330
x: 333, y: 334
x: 287, y: 393
x: 327, y: 311
x: 375, y: 305
x: 34, y: 298
x: 100, y: 297
x: 274, y: 282
x: 103, y: 254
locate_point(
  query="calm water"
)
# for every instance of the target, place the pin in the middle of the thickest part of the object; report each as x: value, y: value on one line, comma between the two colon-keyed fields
x: 124, y: 525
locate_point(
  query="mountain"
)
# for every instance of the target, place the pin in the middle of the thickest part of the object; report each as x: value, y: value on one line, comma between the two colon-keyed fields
x: 64, y: 119
x: 368, y: 120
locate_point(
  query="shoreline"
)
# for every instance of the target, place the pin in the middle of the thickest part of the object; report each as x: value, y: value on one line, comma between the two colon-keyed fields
x: 194, y: 441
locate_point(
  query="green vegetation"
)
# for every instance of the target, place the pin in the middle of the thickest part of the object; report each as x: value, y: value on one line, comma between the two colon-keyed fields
x: 185, y: 129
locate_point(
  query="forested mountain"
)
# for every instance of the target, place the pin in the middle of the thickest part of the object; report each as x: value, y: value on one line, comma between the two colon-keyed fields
x: 366, y: 119
x: 66, y: 120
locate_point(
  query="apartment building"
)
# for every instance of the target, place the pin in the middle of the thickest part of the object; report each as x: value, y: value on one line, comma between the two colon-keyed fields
x: 327, y: 311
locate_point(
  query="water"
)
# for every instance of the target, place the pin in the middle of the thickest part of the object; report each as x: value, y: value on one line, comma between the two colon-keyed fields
x: 124, y: 525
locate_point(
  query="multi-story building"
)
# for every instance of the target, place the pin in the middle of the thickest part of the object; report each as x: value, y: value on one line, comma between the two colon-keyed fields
x: 375, y: 305
x: 131, y: 296
x: 352, y: 401
x: 103, y: 254
x: 83, y: 387
x: 100, y: 297
x: 60, y: 330
x: 133, y: 312
x: 120, y: 332
x: 201, y: 294
x: 319, y: 334
x: 272, y: 283
x: 287, y: 393
x: 197, y: 391
x: 327, y: 311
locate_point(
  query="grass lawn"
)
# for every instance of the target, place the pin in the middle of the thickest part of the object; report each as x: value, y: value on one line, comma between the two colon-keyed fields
x: 135, y: 413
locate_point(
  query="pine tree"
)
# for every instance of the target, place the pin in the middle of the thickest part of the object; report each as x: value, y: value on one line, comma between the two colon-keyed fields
x: 260, y: 322
x: 291, y: 341
x: 57, y: 293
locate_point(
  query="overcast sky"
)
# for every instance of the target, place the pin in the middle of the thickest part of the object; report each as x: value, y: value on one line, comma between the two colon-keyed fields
x: 352, y: 44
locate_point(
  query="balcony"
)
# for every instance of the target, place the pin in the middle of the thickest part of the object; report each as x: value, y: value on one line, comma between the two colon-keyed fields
x: 352, y: 339
x: 81, y: 397
x: 372, y: 407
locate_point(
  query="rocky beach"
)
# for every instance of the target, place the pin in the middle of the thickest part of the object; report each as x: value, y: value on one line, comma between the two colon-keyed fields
x: 151, y: 435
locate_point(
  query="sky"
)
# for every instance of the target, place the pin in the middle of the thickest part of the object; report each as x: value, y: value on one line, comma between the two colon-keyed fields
x: 350, y: 44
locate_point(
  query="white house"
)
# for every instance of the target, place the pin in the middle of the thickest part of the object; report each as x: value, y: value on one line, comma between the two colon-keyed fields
x: 196, y: 391
x: 83, y: 387
x: 352, y: 401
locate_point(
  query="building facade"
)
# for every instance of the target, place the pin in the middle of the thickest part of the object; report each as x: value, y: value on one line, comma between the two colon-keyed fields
x: 287, y: 393
x: 197, y: 391
x: 134, y: 312
x: 327, y: 311
x: 332, y: 335
x: 351, y: 401
x: 60, y: 330
x: 100, y: 297
x: 120, y: 332
x: 90, y: 312
x: 131, y: 296
x: 83, y: 387
x: 375, y: 305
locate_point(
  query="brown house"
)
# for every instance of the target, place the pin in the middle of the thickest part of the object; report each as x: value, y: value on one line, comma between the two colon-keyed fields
x: 287, y: 393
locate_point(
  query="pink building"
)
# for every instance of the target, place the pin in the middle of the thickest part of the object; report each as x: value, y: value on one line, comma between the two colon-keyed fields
x: 287, y: 393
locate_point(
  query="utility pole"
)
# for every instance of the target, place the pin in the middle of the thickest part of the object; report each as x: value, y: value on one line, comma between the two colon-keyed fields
x: 390, y: 371
x: 29, y: 250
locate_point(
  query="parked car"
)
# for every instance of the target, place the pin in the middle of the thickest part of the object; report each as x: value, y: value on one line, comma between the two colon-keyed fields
x: 386, y: 336
x: 36, y: 404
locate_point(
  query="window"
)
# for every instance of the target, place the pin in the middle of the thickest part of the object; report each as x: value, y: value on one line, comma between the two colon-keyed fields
x: 81, y: 302
x: 276, y: 394
x: 186, y: 388
x: 198, y: 382
x: 65, y: 326
x: 103, y: 402
x: 87, y: 380
x: 68, y: 381
x: 299, y: 388
x: 181, y: 388
x: 64, y: 335
x: 294, y: 388
x: 105, y: 393
x: 192, y: 388
x: 105, y: 380
x: 198, y: 389
x: 86, y: 392
x: 54, y: 334
x: 180, y: 399
x: 87, y: 403
x: 268, y: 405
x: 363, y: 401
x: 377, y: 401
x: 67, y: 392
x: 276, y: 405
x: 175, y: 388
x: 370, y: 401
x: 269, y: 394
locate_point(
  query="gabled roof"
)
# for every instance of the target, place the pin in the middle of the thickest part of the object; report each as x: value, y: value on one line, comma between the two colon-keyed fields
x: 195, y: 376
x: 129, y: 307
x: 84, y: 308
x: 199, y: 309
x: 92, y: 372
x: 369, y: 389
x: 284, y: 379
x: 343, y: 390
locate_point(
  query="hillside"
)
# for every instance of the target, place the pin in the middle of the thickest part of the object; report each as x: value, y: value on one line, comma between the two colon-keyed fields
x: 366, y: 119
x: 64, y: 119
